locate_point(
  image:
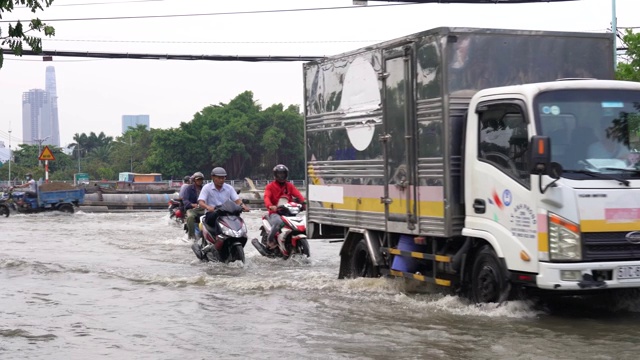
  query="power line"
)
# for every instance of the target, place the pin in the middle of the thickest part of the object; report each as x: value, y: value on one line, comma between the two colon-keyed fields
x: 211, y: 14
x: 40, y: 60
x: 116, y: 55
x: 8, y: 136
x: 214, y: 42
x: 107, y: 3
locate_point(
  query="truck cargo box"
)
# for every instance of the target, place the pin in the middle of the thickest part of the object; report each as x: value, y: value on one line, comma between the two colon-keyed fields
x: 384, y: 124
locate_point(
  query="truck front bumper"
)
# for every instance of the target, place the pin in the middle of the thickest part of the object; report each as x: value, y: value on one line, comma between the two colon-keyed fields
x: 589, y: 276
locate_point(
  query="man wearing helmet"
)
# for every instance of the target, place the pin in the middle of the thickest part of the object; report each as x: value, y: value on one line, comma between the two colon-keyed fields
x: 190, y: 202
x: 186, y: 181
x: 216, y: 193
x: 279, y: 188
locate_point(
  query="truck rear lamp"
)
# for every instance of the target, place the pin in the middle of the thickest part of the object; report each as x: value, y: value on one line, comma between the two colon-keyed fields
x: 564, y: 240
x: 570, y: 275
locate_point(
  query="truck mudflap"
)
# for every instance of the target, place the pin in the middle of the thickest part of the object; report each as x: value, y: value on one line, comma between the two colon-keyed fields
x: 588, y: 276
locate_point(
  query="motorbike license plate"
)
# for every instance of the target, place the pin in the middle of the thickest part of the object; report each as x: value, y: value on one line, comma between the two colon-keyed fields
x: 628, y: 272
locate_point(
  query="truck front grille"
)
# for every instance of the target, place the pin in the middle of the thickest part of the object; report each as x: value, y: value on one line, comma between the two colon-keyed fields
x: 609, y: 246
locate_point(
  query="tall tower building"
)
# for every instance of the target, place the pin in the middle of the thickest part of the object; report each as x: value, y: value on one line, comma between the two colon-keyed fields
x: 40, y: 113
x: 50, y: 87
x: 36, y: 119
x: 132, y: 121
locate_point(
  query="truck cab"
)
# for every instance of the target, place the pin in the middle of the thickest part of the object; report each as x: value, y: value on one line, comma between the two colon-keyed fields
x: 552, y: 181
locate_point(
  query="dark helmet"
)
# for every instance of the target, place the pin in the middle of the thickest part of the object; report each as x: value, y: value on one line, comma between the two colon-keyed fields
x: 28, y: 175
x: 280, y: 173
x: 218, y: 171
x: 186, y: 179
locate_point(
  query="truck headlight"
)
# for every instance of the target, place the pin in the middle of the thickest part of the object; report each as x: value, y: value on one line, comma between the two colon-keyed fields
x: 564, y: 240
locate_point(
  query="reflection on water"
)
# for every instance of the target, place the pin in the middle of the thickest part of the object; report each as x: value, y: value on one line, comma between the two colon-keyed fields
x: 127, y: 285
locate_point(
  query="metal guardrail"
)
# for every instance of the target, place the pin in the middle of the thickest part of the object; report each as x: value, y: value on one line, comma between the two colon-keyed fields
x: 238, y: 184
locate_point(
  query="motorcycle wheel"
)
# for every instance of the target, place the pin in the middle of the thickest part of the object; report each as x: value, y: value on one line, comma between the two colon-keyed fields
x: 303, y: 247
x: 4, y: 211
x: 211, y: 256
x: 238, y: 253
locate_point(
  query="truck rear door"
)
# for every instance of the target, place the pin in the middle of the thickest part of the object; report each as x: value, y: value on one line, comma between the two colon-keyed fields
x: 399, y: 140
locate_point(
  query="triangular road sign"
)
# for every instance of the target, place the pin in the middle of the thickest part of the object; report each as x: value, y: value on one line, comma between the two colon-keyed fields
x: 46, y: 154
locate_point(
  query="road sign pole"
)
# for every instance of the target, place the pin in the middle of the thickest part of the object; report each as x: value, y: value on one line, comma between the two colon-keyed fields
x: 46, y: 171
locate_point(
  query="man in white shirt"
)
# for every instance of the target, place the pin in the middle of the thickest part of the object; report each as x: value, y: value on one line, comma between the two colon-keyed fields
x: 216, y: 193
x: 30, y: 184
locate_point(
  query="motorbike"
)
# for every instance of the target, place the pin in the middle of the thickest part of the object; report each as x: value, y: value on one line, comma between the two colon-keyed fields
x: 6, y: 204
x: 228, y: 245
x: 177, y: 211
x: 291, y: 238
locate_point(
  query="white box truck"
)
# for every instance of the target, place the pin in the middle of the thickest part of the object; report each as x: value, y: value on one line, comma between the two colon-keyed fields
x: 489, y: 161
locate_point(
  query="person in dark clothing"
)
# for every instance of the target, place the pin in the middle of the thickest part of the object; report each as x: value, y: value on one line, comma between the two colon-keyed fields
x: 190, y: 201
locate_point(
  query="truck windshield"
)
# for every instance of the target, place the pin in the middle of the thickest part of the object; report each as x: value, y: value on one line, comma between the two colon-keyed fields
x: 592, y: 130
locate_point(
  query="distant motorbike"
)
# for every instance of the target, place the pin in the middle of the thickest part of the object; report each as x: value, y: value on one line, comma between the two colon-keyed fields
x: 177, y: 211
x: 228, y: 245
x: 6, y: 204
x: 292, y: 237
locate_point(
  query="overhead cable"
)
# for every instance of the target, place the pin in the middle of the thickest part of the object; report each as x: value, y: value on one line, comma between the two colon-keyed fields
x: 116, y: 55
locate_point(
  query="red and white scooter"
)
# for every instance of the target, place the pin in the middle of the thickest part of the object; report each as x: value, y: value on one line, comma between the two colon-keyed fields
x: 292, y: 236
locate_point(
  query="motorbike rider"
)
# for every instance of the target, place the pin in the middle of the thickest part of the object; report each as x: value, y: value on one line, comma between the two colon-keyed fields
x: 279, y: 188
x: 31, y: 184
x: 190, y: 201
x: 215, y: 194
x: 186, y: 181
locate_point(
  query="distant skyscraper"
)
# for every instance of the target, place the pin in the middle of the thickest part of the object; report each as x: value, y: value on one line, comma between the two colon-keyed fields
x: 51, y: 88
x: 133, y: 121
x: 40, y: 113
x: 36, y: 120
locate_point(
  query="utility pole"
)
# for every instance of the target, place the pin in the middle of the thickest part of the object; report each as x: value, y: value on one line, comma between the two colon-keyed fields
x: 130, y: 143
x: 614, y: 30
x: 78, y: 149
x: 9, y: 154
x: 131, y: 152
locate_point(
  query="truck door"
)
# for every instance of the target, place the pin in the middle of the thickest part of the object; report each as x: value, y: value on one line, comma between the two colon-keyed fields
x: 497, y: 179
x: 398, y: 139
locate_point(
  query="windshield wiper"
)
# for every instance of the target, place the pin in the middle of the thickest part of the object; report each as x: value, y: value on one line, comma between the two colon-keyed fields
x: 599, y: 175
x: 635, y: 171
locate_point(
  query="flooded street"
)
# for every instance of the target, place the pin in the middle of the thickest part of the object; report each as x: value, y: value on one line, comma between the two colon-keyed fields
x: 128, y: 286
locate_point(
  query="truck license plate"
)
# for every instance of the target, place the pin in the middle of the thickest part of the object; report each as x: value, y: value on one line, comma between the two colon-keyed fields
x: 628, y: 272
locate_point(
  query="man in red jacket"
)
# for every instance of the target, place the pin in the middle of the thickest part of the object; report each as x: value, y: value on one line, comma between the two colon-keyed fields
x: 276, y: 190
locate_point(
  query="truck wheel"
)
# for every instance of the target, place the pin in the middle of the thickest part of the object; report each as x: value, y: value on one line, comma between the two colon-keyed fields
x: 488, y: 282
x: 361, y: 265
x: 66, y: 208
x: 4, y: 211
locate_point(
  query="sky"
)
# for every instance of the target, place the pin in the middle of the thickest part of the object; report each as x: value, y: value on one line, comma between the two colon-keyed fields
x: 93, y: 94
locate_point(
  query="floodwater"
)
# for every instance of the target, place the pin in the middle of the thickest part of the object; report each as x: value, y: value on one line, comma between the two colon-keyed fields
x: 127, y: 286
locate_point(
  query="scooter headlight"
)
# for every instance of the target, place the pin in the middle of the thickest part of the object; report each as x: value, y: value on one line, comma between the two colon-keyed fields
x: 233, y: 233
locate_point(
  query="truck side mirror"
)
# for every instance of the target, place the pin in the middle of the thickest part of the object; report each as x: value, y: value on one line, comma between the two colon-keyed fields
x: 540, y: 155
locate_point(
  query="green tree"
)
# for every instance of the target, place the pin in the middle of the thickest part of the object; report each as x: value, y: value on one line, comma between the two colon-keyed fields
x: 629, y: 67
x: 17, y: 35
x: 131, y: 150
x: 240, y: 136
